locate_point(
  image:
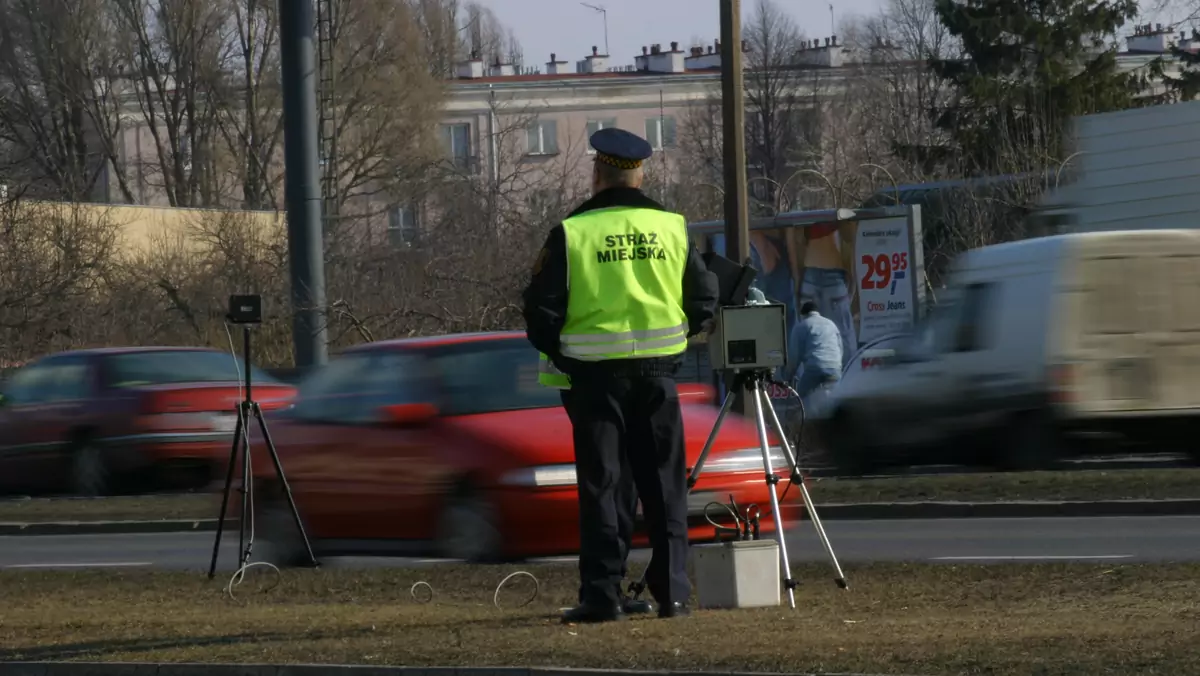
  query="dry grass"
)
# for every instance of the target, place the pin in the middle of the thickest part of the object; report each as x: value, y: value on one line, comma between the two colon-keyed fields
x: 914, y: 619
x: 145, y: 508
x: 1067, y: 485
x: 1121, y: 484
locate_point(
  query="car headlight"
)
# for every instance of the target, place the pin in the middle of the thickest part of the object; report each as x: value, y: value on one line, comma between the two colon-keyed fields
x: 540, y: 477
x: 745, y: 460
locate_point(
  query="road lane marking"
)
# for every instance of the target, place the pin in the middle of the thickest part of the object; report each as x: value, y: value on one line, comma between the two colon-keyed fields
x: 112, y: 564
x: 1065, y: 557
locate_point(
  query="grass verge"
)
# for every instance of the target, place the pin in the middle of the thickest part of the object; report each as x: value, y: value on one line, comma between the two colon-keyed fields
x: 1121, y: 484
x: 1124, y: 484
x: 897, y: 618
x: 144, y: 508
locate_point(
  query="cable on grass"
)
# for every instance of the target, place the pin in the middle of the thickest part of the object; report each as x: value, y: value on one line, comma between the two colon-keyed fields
x: 537, y: 588
x: 421, y: 599
x: 239, y: 576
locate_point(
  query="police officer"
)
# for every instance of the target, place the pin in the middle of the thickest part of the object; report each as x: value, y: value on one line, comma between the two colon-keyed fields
x: 615, y: 293
x: 551, y: 376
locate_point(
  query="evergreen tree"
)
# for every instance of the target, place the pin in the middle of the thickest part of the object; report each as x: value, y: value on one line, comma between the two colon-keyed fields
x: 1028, y: 67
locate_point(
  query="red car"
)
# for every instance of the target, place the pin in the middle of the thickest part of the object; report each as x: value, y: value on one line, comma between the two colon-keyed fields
x: 93, y: 422
x: 449, y: 447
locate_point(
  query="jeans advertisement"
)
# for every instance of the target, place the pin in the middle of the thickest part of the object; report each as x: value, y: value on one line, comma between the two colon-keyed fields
x: 854, y: 273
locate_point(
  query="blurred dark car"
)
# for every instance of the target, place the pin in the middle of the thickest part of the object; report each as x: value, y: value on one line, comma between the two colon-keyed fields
x: 95, y: 422
x: 450, y: 446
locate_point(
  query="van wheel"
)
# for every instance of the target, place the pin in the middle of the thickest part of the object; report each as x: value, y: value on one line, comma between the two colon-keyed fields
x: 467, y: 528
x: 1030, y: 444
x: 848, y: 446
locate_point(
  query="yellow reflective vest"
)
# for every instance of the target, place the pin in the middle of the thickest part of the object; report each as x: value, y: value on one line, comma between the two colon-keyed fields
x: 625, y: 270
x: 550, y: 376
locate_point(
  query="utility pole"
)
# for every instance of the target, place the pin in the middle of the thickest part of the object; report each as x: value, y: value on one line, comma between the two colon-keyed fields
x: 302, y: 187
x: 733, y: 124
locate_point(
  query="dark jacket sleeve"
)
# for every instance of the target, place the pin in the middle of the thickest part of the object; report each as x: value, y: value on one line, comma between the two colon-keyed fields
x: 700, y: 292
x: 545, y: 298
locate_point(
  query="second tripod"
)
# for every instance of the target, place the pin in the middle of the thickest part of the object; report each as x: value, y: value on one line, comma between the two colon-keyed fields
x: 241, y: 442
x: 753, y: 381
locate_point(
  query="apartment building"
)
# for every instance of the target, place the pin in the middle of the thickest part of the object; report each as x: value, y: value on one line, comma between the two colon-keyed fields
x: 538, y: 120
x: 561, y: 106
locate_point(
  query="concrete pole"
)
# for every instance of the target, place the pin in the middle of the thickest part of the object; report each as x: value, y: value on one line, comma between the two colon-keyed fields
x: 303, y: 187
x: 733, y: 118
x: 733, y: 138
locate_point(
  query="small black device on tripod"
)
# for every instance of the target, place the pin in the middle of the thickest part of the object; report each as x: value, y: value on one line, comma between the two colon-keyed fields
x: 748, y: 342
x: 246, y: 311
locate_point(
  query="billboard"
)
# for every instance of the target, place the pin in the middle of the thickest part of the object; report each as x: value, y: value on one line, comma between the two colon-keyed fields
x: 864, y: 275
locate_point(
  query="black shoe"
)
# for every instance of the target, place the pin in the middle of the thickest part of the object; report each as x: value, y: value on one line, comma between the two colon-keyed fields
x: 636, y: 607
x: 585, y: 613
x: 675, y: 609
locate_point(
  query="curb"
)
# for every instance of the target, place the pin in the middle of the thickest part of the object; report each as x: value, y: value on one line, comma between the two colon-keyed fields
x: 832, y: 512
x: 186, y: 669
x: 113, y: 527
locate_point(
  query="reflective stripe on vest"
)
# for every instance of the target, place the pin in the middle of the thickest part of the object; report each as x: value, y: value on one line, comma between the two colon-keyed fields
x: 550, y: 376
x: 625, y: 284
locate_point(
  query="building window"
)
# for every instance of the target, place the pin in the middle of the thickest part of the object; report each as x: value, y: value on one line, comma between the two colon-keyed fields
x: 402, y: 225
x: 543, y: 137
x: 660, y: 132
x: 594, y: 126
x: 456, y: 139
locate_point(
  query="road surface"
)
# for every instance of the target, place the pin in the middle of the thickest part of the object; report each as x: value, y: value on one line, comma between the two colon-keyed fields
x: 1119, y: 539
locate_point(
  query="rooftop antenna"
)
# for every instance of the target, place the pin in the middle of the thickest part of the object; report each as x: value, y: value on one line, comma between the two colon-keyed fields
x: 604, y: 12
x: 832, y: 23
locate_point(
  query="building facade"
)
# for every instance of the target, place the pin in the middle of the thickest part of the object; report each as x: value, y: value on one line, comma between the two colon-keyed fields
x: 498, y: 123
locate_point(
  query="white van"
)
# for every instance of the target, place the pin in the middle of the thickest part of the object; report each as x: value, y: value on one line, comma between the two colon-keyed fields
x: 1036, y: 347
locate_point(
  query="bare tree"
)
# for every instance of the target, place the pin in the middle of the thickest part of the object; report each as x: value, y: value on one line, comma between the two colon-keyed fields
x: 782, y: 125
x: 54, y: 258
x: 174, y: 52
x: 59, y: 101
x: 384, y: 96
x: 783, y: 132
x: 249, y: 101
x: 489, y: 39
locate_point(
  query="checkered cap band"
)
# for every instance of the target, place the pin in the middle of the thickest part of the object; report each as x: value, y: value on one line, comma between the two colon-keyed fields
x: 618, y: 162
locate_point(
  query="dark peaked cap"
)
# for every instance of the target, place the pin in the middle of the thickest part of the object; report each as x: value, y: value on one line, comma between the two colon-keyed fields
x: 620, y: 148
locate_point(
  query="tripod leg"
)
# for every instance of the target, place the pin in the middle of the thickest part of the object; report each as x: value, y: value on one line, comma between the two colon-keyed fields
x: 287, y: 489
x: 773, y: 480
x: 636, y: 588
x: 712, y: 438
x: 233, y: 455
x: 793, y: 458
x: 808, y: 503
x: 244, y: 543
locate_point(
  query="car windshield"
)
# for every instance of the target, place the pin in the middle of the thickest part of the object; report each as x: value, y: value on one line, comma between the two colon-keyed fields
x: 164, y: 367
x: 489, y: 376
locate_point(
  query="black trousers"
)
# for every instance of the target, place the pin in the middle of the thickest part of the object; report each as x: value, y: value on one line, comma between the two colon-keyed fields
x: 626, y: 496
x: 629, y: 427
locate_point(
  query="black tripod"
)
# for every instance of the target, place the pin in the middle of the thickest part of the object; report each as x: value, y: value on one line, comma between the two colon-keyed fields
x: 245, y: 409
